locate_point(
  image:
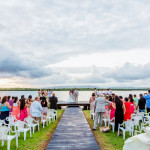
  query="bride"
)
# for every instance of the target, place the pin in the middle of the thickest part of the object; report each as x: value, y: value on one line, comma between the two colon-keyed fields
x: 70, y: 96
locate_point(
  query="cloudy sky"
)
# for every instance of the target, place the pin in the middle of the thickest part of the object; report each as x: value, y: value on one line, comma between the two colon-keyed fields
x: 45, y: 43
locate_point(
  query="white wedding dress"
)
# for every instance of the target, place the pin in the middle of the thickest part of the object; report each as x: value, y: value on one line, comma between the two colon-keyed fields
x: 70, y: 98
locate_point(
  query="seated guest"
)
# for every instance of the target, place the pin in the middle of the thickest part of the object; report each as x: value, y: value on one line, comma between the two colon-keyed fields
x: 127, y: 115
x: 99, y: 109
x: 36, y: 110
x: 23, y: 109
x: 16, y: 108
x: 5, y: 108
x: 141, y: 103
x: 131, y: 100
x: 53, y: 102
x: 92, y: 102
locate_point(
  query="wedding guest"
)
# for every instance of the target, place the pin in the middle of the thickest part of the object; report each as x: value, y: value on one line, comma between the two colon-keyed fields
x: 141, y: 103
x: 113, y: 97
x: 23, y: 109
x: 95, y: 91
x: 44, y: 104
x: 121, y: 98
x: 10, y: 101
x: 127, y: 115
x: 131, y: 100
x: 53, y: 102
x: 136, y: 100
x: 119, y: 112
x: 147, y: 97
x: 112, y: 110
x: 36, y: 110
x: 110, y: 92
x: 16, y: 108
x: 5, y: 108
x: 29, y: 101
x: 50, y: 93
x: 99, y: 109
x: 39, y: 93
x: 110, y: 98
x: 98, y: 93
x: 22, y: 96
x: 92, y: 102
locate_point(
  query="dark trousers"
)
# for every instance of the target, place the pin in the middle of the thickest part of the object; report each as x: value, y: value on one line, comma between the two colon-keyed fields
x: 148, y: 110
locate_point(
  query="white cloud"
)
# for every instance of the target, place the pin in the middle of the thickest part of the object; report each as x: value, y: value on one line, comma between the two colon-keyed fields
x: 37, y: 34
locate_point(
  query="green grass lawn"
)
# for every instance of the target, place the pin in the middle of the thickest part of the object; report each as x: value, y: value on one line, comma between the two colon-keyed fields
x: 106, y: 141
x: 39, y: 140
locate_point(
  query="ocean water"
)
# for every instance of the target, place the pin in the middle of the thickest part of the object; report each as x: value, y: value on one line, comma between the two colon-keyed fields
x: 64, y: 95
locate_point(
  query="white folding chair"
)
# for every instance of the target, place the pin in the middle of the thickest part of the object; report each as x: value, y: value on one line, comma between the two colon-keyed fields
x: 5, y: 137
x: 22, y: 127
x: 31, y: 123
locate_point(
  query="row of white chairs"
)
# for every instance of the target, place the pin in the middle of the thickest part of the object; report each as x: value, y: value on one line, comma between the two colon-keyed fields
x: 23, y: 126
x: 129, y: 125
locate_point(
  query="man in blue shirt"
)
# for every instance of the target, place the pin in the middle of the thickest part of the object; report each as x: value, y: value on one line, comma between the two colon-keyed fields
x: 36, y: 110
x: 147, y: 97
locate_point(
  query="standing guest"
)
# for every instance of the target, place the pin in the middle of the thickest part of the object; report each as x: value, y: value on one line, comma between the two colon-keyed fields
x: 29, y: 101
x: 112, y: 110
x: 22, y: 96
x: 121, y: 98
x: 98, y: 93
x: 0, y: 109
x: 76, y: 94
x: 131, y: 100
x: 16, y: 108
x: 5, y: 108
x: 95, y: 91
x: 39, y: 93
x: 147, y: 97
x: 36, y: 110
x: 136, y: 100
x: 119, y: 113
x: 99, y: 109
x: 50, y: 93
x: 92, y: 102
x: 141, y: 103
x: 110, y: 92
x: 113, y: 97
x: 23, y: 109
x: 110, y: 98
x: 53, y: 102
x: 127, y: 115
x: 10, y: 101
x: 44, y: 104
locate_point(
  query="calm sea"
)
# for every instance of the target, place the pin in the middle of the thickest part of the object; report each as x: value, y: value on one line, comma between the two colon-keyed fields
x: 64, y: 95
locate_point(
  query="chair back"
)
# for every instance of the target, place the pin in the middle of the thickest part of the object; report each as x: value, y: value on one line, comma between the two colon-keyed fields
x: 11, y: 120
x: 3, y: 132
x: 2, y: 123
x: 29, y: 120
x: 20, y: 124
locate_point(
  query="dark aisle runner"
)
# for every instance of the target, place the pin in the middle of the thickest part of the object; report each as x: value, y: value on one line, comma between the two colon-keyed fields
x: 73, y: 132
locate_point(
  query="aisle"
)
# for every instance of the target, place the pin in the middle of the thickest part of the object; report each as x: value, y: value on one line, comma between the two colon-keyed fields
x: 73, y: 132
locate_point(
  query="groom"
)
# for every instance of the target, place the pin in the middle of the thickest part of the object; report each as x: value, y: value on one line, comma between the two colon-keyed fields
x: 76, y: 93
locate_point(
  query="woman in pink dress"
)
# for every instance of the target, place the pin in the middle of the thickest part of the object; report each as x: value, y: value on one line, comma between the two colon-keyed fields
x: 131, y: 100
x: 112, y: 110
x: 16, y: 108
x: 29, y: 101
x: 92, y: 102
x: 23, y: 110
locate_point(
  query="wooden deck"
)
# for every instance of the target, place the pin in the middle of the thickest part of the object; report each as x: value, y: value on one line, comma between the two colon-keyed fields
x: 74, y: 104
x: 73, y: 132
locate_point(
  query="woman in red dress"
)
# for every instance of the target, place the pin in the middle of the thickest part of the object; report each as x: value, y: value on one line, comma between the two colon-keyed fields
x: 127, y: 115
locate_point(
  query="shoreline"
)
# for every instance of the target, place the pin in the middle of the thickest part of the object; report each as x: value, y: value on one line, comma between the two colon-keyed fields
x: 68, y: 89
